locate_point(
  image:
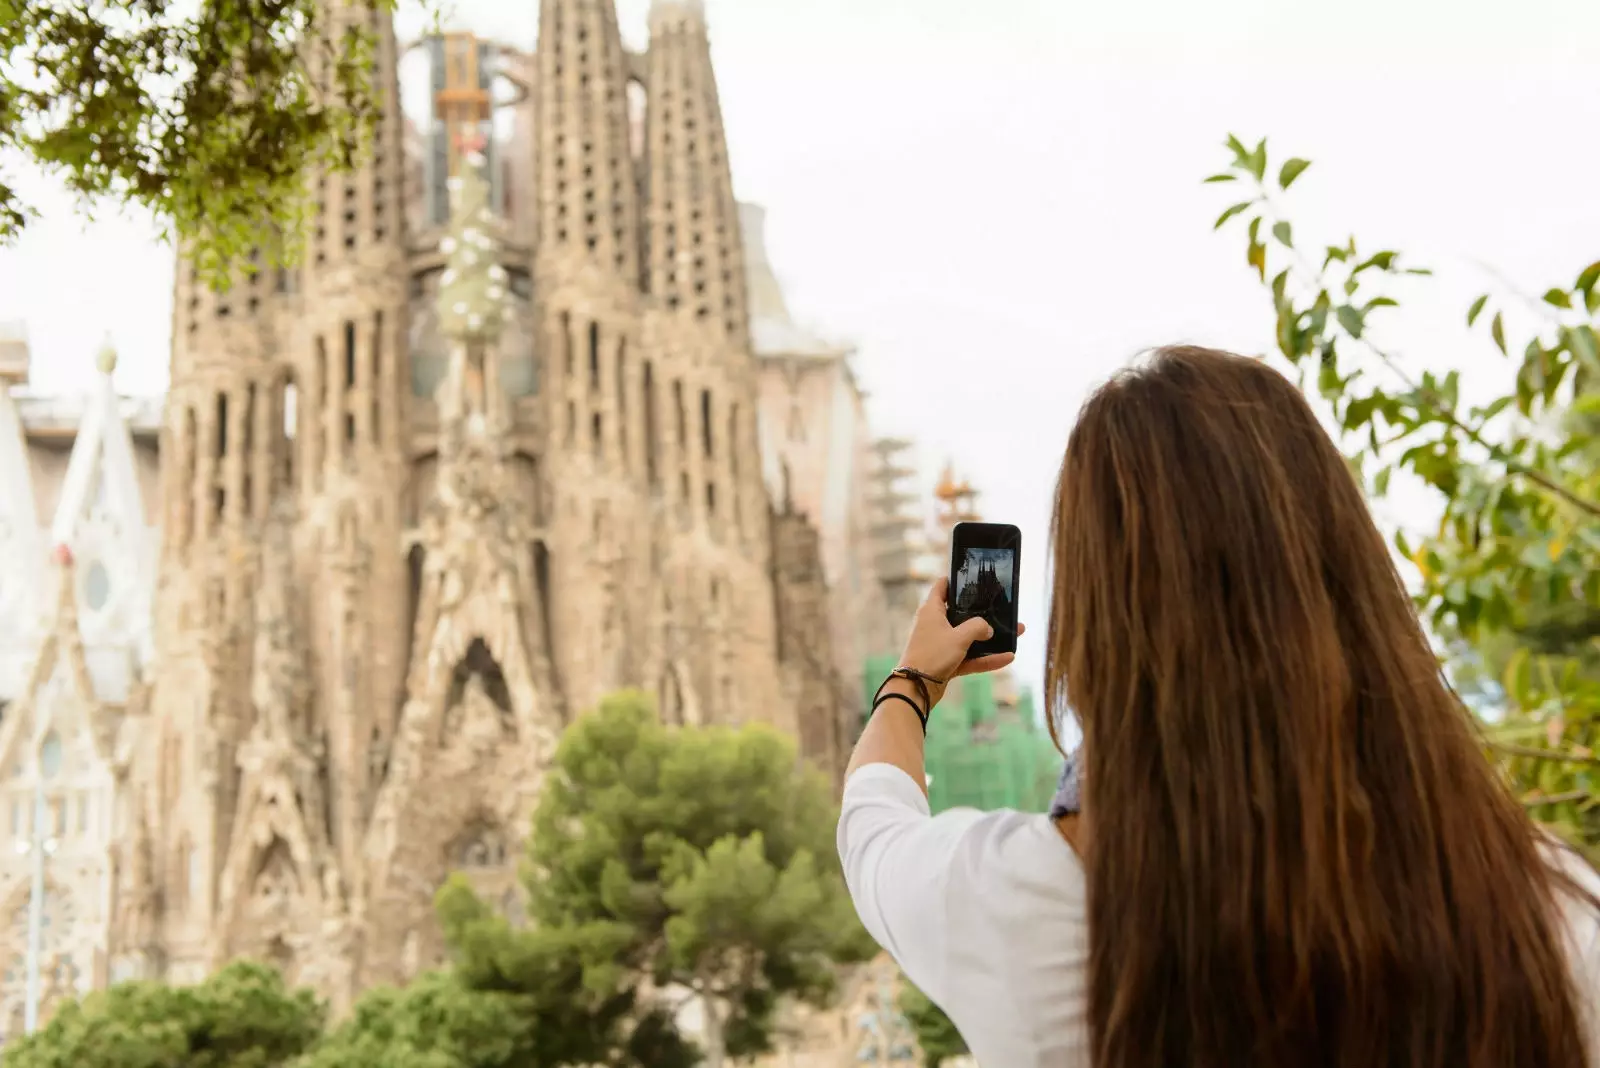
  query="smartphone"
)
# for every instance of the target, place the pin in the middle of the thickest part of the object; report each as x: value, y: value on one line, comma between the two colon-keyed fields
x: 984, y: 561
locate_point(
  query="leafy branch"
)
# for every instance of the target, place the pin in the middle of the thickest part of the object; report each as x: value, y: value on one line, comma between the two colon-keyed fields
x: 1514, y: 568
x: 212, y: 121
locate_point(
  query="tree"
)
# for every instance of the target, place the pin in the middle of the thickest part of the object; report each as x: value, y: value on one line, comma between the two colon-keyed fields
x: 242, y: 1017
x: 936, y: 1034
x: 208, y: 118
x: 515, y: 998
x: 1513, y: 574
x: 696, y: 860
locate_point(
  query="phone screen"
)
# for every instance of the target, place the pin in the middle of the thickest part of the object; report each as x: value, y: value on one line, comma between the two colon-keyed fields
x: 984, y: 561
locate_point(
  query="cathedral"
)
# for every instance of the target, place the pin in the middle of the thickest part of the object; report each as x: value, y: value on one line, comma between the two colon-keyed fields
x: 528, y: 423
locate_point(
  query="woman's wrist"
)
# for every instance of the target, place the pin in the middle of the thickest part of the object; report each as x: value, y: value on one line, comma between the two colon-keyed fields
x: 929, y: 692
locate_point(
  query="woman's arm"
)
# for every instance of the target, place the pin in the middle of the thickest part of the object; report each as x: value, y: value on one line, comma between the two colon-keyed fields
x: 893, y: 736
x: 897, y: 857
x: 938, y: 651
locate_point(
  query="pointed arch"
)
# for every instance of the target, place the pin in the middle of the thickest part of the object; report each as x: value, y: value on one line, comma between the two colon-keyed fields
x: 481, y: 663
x: 482, y: 845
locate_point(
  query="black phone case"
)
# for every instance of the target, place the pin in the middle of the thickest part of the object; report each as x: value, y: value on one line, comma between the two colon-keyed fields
x: 996, y: 536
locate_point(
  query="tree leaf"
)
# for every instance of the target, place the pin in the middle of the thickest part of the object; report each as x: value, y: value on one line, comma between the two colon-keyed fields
x: 1587, y: 279
x: 1557, y: 297
x: 1497, y: 330
x: 1351, y: 320
x: 1283, y: 232
x: 1380, y: 302
x: 1476, y: 309
x: 1222, y: 219
x: 1581, y: 340
x: 1380, y: 484
x: 1292, y: 170
x: 1222, y: 178
x: 1280, y: 283
x: 1499, y: 405
x: 1258, y: 160
x: 1257, y: 258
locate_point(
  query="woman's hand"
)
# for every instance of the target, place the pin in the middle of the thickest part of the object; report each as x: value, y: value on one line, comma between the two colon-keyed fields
x: 936, y: 648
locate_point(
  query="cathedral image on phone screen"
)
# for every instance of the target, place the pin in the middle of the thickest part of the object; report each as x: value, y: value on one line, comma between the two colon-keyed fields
x: 984, y: 586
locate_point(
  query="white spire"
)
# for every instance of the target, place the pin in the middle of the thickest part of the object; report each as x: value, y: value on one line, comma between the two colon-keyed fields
x: 101, y: 523
x: 101, y: 474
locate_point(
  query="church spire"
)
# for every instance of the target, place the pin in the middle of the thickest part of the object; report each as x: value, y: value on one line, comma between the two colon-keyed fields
x: 101, y: 475
x: 472, y: 293
x: 696, y: 259
x: 473, y: 304
x: 588, y: 197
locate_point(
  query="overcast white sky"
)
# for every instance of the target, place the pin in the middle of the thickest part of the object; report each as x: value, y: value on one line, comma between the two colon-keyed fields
x: 1000, y: 202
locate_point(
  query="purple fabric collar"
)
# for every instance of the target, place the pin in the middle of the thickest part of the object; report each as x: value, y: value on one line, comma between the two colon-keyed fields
x: 1069, y: 796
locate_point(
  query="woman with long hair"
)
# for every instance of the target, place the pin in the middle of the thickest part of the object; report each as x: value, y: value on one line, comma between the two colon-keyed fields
x: 1292, y: 849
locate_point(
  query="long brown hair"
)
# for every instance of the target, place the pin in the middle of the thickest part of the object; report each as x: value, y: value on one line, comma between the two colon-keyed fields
x: 1297, y: 852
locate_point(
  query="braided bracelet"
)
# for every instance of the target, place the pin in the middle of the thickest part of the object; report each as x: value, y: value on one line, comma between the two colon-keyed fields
x: 921, y: 680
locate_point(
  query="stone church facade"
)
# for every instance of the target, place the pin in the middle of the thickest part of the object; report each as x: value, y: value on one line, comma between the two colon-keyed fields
x: 299, y: 641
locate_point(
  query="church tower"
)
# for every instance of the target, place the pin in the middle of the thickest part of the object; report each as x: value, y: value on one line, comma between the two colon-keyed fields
x: 696, y: 262
x: 283, y: 435
x: 600, y: 399
x: 224, y: 456
x: 698, y: 326
x: 347, y: 356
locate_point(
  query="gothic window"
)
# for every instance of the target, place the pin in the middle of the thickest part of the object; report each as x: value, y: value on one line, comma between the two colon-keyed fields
x: 50, y: 755
x: 594, y: 357
x: 705, y: 423
x: 221, y: 442
x: 377, y: 376
x: 96, y: 586
x: 482, y: 848
x: 289, y: 407
x: 683, y: 415
x: 652, y: 443
x: 480, y: 662
x: 275, y: 884
x: 622, y: 399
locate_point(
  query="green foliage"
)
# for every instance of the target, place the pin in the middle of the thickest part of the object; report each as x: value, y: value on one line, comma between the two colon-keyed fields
x: 210, y: 115
x: 936, y: 1035
x: 532, y: 1014
x: 702, y: 859
x: 242, y: 1017
x: 1513, y: 573
x: 436, y: 1022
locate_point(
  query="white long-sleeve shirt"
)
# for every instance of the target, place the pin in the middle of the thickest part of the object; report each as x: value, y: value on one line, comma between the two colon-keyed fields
x: 987, y: 913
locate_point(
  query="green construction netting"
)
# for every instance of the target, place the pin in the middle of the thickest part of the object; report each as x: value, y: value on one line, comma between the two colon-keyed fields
x: 980, y: 755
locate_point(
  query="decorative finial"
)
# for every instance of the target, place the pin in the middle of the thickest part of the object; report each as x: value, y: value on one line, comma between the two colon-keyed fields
x: 472, y: 292
x: 107, y: 360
